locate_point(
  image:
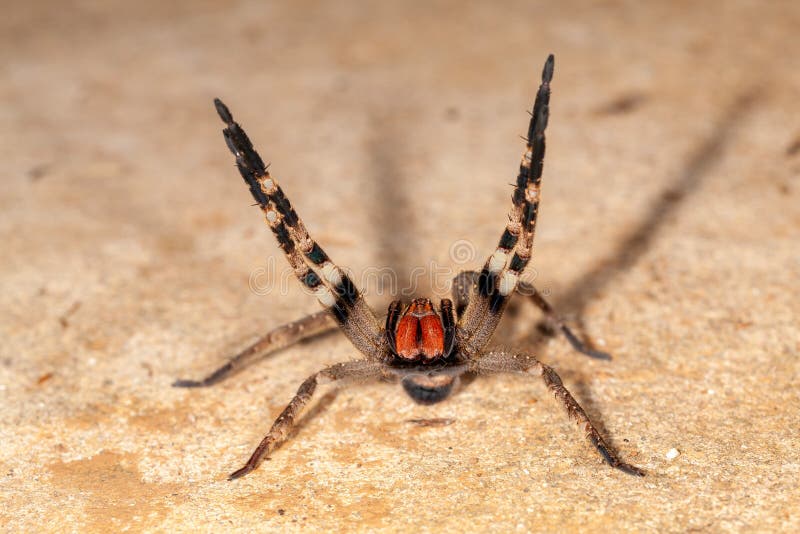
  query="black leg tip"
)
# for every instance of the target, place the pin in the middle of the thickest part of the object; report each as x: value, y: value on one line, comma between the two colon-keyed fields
x: 630, y: 469
x: 187, y: 384
x: 547, y: 72
x: 599, y: 355
x: 239, y: 473
x: 578, y: 345
x: 223, y: 111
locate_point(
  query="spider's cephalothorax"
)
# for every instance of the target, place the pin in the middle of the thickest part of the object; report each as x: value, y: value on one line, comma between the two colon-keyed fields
x: 424, y: 350
x: 419, y: 337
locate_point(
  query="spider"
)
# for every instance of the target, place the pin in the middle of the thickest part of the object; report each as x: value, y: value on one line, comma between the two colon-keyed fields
x: 426, y: 350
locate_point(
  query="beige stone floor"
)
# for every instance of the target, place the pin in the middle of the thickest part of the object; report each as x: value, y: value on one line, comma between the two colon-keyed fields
x: 669, y: 229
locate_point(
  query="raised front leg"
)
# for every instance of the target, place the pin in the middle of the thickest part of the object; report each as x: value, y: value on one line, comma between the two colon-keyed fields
x: 356, y: 370
x: 500, y: 274
x: 505, y: 362
x: 311, y: 265
x: 274, y: 340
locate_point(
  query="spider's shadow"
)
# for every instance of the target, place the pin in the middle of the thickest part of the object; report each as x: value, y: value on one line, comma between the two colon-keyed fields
x: 663, y: 208
x: 391, y: 207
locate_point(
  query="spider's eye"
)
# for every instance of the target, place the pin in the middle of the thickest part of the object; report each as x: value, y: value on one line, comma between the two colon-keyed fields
x: 419, y: 332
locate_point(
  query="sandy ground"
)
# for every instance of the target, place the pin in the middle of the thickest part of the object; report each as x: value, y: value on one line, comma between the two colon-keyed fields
x: 131, y: 256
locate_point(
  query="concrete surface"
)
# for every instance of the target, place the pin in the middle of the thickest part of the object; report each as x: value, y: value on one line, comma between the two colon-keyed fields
x: 669, y: 230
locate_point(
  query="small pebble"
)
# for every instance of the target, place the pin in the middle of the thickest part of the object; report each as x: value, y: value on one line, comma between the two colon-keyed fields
x: 672, y: 454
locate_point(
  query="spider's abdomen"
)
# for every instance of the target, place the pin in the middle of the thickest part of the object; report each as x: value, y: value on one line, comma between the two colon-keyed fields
x: 419, y: 332
x: 426, y: 389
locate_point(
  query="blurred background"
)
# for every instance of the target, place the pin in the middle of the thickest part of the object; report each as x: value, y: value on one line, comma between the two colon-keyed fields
x: 131, y: 256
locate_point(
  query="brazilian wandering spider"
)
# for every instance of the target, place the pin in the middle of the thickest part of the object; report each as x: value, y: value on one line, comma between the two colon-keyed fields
x: 426, y: 351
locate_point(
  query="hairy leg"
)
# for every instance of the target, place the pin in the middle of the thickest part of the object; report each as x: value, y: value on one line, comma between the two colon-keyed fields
x: 274, y: 340
x: 462, y: 289
x: 505, y: 362
x: 358, y: 370
x: 530, y: 290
